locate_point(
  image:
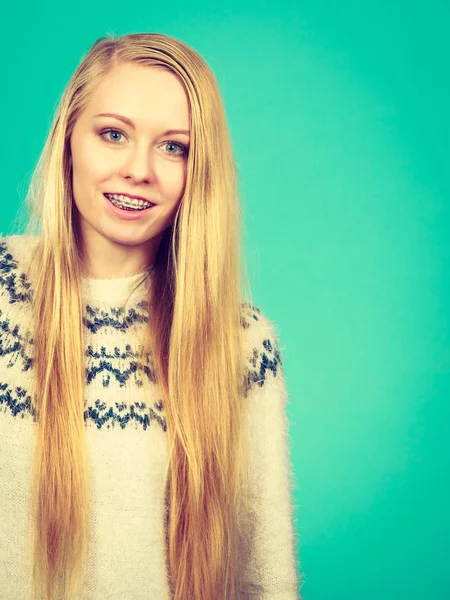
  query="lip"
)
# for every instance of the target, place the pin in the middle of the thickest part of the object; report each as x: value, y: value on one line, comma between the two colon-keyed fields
x: 130, y: 196
x: 127, y: 215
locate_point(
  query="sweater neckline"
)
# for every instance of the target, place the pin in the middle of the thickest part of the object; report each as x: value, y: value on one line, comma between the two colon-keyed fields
x: 115, y: 290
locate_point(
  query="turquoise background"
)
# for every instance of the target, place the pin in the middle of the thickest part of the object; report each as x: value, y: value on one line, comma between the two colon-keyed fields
x: 339, y: 115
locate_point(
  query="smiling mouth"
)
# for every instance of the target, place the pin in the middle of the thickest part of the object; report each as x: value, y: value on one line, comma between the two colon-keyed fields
x: 125, y: 203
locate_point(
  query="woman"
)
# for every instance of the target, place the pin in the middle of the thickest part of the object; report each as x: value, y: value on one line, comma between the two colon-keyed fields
x: 143, y: 425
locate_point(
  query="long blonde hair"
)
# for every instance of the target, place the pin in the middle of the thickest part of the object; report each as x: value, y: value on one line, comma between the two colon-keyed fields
x: 198, y: 284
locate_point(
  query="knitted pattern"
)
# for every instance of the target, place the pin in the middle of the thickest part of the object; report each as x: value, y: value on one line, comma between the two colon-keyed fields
x: 126, y: 434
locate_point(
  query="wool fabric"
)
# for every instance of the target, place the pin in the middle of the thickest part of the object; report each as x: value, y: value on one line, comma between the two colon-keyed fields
x: 126, y: 435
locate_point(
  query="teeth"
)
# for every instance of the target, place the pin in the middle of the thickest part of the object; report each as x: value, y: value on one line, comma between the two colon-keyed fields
x: 126, y: 201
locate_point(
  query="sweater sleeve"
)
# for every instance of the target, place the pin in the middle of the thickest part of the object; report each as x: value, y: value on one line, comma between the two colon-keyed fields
x: 270, y: 569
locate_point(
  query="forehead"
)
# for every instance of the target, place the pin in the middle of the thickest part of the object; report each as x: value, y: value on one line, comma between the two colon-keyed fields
x: 146, y: 95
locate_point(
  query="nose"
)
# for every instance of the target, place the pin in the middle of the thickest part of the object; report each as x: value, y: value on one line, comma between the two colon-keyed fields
x: 139, y: 165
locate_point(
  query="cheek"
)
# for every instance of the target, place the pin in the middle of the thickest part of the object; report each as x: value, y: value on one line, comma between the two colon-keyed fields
x: 89, y: 166
x: 174, y: 182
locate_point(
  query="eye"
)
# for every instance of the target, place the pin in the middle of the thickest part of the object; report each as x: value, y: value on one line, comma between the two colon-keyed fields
x: 106, y: 131
x: 183, y: 149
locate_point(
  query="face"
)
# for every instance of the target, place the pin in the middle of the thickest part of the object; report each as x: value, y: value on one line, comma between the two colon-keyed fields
x: 146, y: 156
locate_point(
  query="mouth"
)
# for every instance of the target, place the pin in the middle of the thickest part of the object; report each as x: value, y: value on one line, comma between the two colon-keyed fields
x: 127, y: 203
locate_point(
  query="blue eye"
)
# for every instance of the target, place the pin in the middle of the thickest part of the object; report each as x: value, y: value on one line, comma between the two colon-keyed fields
x: 106, y: 131
x: 182, y: 147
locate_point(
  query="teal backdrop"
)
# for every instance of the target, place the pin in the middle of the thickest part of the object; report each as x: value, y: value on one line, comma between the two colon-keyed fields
x: 339, y: 116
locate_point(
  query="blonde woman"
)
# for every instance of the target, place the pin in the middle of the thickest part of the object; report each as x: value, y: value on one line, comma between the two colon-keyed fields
x: 143, y: 434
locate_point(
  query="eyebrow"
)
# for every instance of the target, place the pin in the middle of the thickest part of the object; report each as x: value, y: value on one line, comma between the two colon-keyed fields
x: 131, y: 124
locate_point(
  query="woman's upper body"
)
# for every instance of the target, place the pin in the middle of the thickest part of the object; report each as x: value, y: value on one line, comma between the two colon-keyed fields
x: 127, y: 448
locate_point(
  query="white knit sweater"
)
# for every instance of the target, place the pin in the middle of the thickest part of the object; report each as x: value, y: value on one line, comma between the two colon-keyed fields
x: 127, y: 445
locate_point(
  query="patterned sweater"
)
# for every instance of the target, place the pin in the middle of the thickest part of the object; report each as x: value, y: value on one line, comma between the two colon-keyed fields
x: 127, y: 448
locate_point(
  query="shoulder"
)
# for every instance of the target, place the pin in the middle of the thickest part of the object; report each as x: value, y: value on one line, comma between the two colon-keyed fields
x: 14, y: 254
x: 259, y: 329
x: 7, y: 262
x: 262, y: 350
x: 14, y: 250
x: 256, y: 321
